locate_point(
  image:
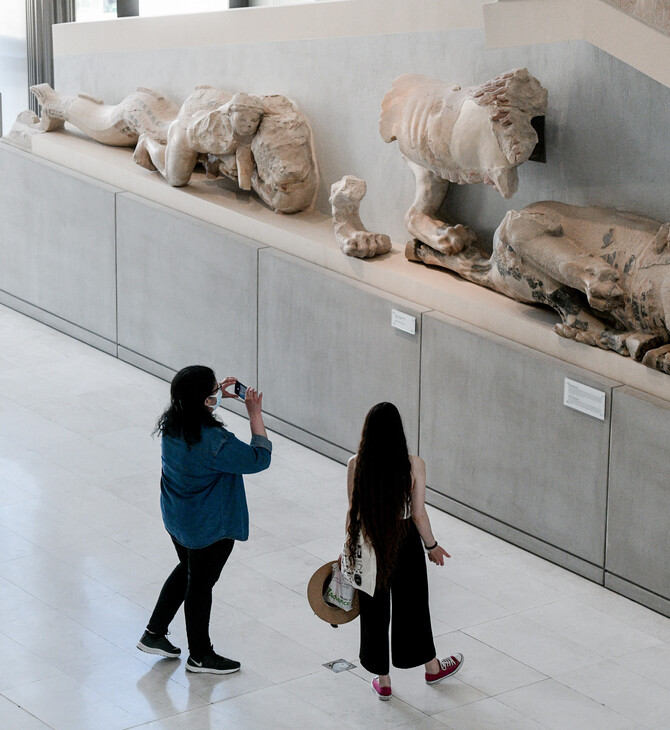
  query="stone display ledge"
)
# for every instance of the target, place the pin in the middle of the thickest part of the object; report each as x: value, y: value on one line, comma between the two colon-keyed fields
x: 506, y: 23
x: 309, y: 236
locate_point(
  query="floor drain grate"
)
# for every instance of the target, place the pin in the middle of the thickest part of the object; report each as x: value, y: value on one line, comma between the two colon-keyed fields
x: 339, y: 665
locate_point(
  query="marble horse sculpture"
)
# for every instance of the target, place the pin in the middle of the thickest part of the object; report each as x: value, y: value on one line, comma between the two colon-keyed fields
x: 448, y: 134
x: 606, y: 273
x: 260, y: 142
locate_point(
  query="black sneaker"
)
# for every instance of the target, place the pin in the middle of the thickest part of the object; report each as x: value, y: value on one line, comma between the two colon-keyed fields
x: 212, y: 664
x: 155, y: 644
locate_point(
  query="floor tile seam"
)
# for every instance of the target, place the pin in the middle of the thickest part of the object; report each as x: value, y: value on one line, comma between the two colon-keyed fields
x: 553, y: 633
x: 321, y: 671
x: 79, y: 623
x: 114, y: 452
x: 64, y: 671
x: 495, y: 695
x: 41, y: 444
x: 312, y: 512
x: 629, y: 603
x: 47, y: 606
x: 305, y: 644
x: 44, y: 456
x: 548, y: 581
x: 60, y: 494
x: 290, y: 543
x: 144, y: 557
x: 646, y: 680
x: 527, y: 717
x: 498, y: 698
x: 244, y: 693
x: 599, y: 702
x: 462, y: 704
x: 63, y: 668
x: 506, y: 654
x: 38, y: 549
x: 51, y: 555
x: 153, y: 515
x: 19, y: 535
x: 624, y: 628
x: 50, y: 665
x: 491, y: 600
x: 309, y: 552
x: 541, y: 568
x: 20, y: 707
x: 288, y: 638
x: 258, y: 558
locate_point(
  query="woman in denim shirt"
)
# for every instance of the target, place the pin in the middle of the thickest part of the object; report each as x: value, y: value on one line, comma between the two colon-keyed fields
x: 204, y: 507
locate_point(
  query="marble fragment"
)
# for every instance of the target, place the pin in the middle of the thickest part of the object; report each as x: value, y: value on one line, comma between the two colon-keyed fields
x: 606, y: 273
x: 449, y: 134
x: 26, y: 126
x: 654, y: 12
x: 262, y: 143
x: 352, y: 236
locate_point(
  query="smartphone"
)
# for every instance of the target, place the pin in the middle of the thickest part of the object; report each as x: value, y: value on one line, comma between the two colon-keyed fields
x: 240, y: 390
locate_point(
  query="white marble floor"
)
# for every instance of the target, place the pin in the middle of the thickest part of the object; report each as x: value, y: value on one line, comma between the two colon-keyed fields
x: 83, y: 555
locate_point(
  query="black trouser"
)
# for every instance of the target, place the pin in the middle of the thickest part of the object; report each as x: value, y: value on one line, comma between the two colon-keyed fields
x: 411, y: 633
x: 191, y: 583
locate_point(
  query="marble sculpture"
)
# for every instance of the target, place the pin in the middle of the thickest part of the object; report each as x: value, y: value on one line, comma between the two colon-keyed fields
x: 448, y: 134
x: 606, y: 273
x: 27, y: 125
x: 261, y: 142
x: 352, y: 236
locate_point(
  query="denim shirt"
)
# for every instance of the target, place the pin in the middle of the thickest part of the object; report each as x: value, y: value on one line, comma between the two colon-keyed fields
x: 202, y: 491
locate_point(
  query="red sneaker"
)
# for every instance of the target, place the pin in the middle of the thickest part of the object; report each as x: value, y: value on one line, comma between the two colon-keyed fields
x: 448, y: 667
x: 383, y: 693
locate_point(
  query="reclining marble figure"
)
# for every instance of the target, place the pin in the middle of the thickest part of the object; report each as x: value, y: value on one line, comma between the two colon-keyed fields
x: 261, y: 142
x: 606, y: 273
x: 352, y: 236
x: 448, y: 134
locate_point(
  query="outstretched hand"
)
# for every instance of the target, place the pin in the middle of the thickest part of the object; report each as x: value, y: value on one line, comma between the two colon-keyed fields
x: 226, y: 383
x: 437, y: 555
x: 253, y: 401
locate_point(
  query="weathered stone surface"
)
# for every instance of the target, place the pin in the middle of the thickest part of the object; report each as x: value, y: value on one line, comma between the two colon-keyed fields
x: 606, y: 272
x: 26, y: 126
x: 654, y: 12
x: 352, y: 236
x: 448, y: 134
x: 261, y: 142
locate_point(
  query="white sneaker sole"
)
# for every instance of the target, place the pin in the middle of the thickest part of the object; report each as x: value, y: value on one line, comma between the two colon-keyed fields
x: 208, y: 670
x: 158, y: 652
x: 441, y: 679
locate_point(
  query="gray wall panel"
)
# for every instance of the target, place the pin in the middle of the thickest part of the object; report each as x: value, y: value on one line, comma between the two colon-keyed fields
x: 327, y: 351
x: 638, y: 539
x: 57, y: 247
x: 496, y: 437
x: 187, y: 290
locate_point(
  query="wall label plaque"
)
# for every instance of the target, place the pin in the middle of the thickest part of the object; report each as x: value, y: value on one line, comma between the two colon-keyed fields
x: 584, y: 398
x: 402, y: 321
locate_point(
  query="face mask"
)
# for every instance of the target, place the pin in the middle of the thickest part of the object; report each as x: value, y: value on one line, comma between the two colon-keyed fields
x: 218, y: 397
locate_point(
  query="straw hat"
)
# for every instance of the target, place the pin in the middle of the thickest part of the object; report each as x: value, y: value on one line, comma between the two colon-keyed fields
x: 315, y: 590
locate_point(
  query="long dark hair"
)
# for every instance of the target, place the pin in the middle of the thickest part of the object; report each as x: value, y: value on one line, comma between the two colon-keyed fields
x: 187, y: 412
x: 382, y: 493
